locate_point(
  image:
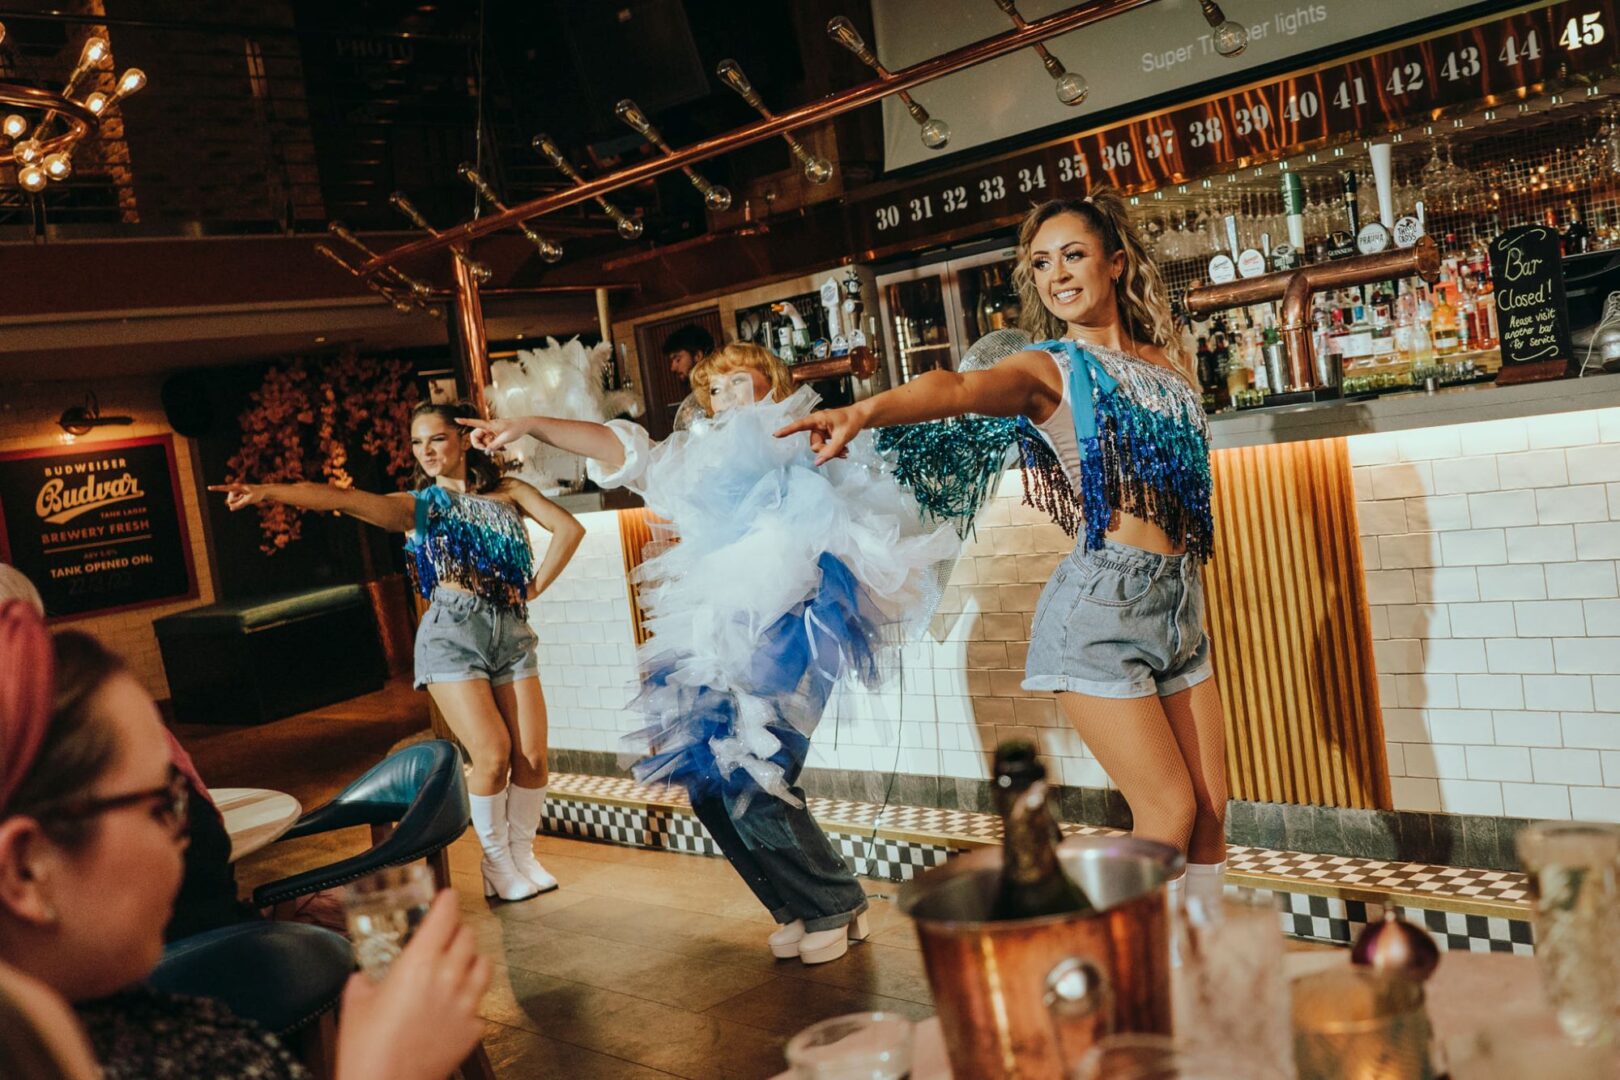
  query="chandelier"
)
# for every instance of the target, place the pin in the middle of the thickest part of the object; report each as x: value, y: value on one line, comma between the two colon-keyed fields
x: 42, y: 128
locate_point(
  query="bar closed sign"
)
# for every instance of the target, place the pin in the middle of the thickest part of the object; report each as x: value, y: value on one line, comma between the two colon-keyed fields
x: 1531, y: 314
x: 97, y: 528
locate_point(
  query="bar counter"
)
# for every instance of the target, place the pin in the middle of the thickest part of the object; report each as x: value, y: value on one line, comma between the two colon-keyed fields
x: 1413, y: 605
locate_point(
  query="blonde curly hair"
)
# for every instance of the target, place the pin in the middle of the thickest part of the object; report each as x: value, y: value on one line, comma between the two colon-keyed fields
x: 740, y: 356
x: 1144, y: 301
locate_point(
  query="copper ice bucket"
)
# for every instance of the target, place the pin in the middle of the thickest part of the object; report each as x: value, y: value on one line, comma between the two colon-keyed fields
x: 1024, y: 998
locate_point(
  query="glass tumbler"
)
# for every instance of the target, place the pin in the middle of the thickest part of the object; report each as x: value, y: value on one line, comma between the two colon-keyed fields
x: 1572, y: 872
x: 383, y: 911
x: 859, y: 1046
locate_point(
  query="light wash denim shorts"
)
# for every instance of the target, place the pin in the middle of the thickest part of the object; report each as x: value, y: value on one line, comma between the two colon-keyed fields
x: 1119, y: 623
x: 463, y: 637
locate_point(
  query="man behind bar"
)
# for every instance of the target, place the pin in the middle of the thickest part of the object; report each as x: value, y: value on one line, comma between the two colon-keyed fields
x: 683, y: 350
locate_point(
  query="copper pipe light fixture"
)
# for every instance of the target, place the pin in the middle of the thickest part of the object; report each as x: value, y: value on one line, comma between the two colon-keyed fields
x: 935, y: 132
x: 479, y: 271
x: 629, y: 227
x: 405, y: 293
x: 817, y: 169
x: 1230, y: 37
x: 715, y: 197
x: 1071, y: 86
x: 550, y: 250
x: 41, y: 150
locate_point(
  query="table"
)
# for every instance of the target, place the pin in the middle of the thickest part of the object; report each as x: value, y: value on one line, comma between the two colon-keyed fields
x: 254, y: 817
x: 1470, y: 993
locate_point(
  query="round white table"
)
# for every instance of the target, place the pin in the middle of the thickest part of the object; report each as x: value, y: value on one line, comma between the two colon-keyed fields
x: 1471, y: 993
x: 254, y: 817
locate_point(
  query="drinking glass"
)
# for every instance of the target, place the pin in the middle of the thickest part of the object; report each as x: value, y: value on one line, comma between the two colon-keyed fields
x: 1231, y: 997
x: 384, y: 910
x: 1160, y: 1057
x: 1572, y: 871
x: 1355, y: 1024
x: 859, y: 1046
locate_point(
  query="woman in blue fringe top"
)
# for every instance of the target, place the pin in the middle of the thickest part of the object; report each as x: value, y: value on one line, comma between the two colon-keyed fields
x: 468, y: 552
x: 1113, y: 430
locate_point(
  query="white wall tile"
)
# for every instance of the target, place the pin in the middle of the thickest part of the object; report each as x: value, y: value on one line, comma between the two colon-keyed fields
x: 1441, y: 585
x: 1403, y: 481
x: 1606, y: 692
x: 1591, y: 730
x: 1482, y: 620
x: 1542, y: 802
x: 1426, y: 444
x: 1587, y: 656
x: 1428, y: 691
x: 1613, y: 491
x: 1602, y: 617
x: 1611, y: 768
x: 1569, y: 504
x: 1437, y: 761
x: 1562, y: 429
x: 1470, y: 797
x: 1594, y: 464
x: 1500, y: 509
x: 1567, y: 766
x: 1455, y: 655
x: 1462, y: 475
x: 1549, y: 618
x: 1473, y: 547
x: 1561, y: 693
x: 1373, y: 448
x: 1581, y: 579
x: 1399, y: 656
x: 1490, y: 691
x: 1594, y: 804
x: 1436, y: 513
x: 1541, y: 543
x: 1369, y: 553
x: 1499, y: 763
x: 1382, y: 517
x: 1519, y: 656
x: 1409, y: 550
x: 1494, y: 437
x: 1525, y: 582
x: 1527, y: 728
x: 1598, y: 540
x: 1390, y: 587
x: 1408, y: 725
x: 1461, y: 727
x: 1360, y: 481
x: 1378, y: 621
x: 1537, y: 468
x: 1609, y: 425
x: 1417, y: 621
x: 1414, y: 794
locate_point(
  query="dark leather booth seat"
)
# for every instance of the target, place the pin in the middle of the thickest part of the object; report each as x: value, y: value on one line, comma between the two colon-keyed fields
x: 253, y: 661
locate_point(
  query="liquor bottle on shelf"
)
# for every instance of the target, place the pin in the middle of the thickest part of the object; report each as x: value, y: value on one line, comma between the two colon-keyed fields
x: 1208, y: 377
x: 1033, y: 882
x: 1577, y: 237
x: 1443, y: 329
x: 1383, y: 337
x: 1357, y: 343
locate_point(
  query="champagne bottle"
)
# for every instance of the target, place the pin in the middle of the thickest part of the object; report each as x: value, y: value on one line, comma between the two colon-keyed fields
x: 1032, y: 879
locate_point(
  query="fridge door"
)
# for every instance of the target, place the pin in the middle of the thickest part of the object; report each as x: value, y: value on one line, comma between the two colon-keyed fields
x: 917, y: 310
x: 983, y: 295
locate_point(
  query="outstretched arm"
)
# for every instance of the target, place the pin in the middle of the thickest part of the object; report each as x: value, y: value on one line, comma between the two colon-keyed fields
x: 1025, y: 384
x: 565, y: 529
x: 395, y: 512
x: 583, y: 437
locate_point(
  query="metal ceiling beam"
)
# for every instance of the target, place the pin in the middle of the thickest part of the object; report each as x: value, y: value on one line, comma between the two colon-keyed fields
x: 856, y: 97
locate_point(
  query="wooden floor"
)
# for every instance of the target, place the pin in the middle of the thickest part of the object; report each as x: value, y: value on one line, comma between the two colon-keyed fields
x: 643, y: 964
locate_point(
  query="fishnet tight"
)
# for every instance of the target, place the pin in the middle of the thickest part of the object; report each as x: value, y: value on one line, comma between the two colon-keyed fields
x: 1168, y: 758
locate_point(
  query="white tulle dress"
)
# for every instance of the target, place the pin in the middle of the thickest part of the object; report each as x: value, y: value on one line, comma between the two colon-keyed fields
x: 772, y: 580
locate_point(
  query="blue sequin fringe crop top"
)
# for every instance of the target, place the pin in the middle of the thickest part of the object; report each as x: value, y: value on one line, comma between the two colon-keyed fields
x: 1129, y: 436
x: 472, y: 542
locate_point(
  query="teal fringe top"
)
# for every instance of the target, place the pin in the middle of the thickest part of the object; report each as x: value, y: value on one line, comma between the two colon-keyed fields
x: 1144, y: 450
x: 475, y: 543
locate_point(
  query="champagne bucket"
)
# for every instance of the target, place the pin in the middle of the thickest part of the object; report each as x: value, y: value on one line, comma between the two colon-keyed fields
x: 1025, y: 998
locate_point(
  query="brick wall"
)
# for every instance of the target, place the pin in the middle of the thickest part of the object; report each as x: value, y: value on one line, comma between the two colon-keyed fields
x: 1490, y: 551
x: 28, y: 416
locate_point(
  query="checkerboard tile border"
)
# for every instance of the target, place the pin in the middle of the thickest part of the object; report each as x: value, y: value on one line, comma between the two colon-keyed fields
x: 897, y: 843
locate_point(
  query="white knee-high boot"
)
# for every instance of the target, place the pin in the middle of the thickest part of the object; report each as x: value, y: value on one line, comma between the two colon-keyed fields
x: 524, y: 808
x: 501, y: 876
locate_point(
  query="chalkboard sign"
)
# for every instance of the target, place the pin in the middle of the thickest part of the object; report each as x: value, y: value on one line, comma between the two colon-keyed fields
x: 1531, y: 315
x: 97, y: 527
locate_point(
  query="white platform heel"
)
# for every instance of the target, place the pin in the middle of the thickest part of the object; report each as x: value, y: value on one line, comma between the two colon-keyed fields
x: 824, y: 946
x: 501, y: 876
x: 524, y: 809
x: 785, y: 942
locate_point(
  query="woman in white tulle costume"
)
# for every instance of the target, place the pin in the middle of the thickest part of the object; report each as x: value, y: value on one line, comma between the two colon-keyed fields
x: 783, y: 579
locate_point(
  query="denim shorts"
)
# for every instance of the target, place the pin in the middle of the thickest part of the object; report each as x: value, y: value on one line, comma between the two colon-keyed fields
x: 463, y: 637
x: 1119, y: 623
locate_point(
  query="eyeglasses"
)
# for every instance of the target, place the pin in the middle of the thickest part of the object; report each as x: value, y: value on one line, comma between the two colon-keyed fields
x: 170, y: 804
